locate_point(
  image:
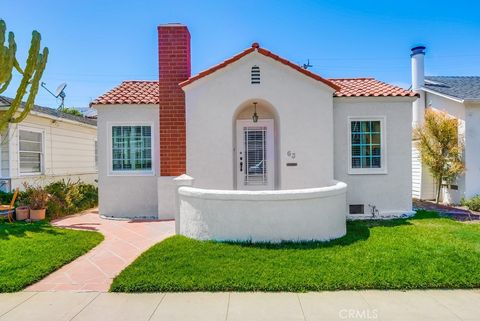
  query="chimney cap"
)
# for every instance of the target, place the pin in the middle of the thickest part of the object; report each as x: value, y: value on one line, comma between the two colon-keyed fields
x: 172, y: 24
x: 418, y: 50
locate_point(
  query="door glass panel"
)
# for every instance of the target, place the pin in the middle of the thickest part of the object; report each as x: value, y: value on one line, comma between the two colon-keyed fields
x: 255, y: 155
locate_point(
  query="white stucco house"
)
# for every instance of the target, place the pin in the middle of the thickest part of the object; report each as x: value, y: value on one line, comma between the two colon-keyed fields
x: 48, y: 145
x: 272, y: 151
x: 460, y: 98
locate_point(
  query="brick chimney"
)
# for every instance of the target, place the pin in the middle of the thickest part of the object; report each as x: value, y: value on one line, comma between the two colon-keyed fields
x: 174, y: 67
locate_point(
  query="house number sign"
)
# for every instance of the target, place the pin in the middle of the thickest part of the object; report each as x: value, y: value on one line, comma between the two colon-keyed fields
x: 292, y: 156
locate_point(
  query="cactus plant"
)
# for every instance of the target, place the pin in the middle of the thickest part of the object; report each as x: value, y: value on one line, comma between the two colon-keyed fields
x: 31, y: 74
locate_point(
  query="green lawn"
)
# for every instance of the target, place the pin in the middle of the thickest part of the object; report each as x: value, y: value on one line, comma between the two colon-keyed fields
x: 30, y: 251
x: 422, y: 252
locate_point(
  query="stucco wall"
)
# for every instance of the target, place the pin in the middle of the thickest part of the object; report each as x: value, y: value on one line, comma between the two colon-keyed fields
x: 129, y: 195
x: 263, y: 216
x: 166, y: 197
x: 303, y: 109
x: 391, y: 192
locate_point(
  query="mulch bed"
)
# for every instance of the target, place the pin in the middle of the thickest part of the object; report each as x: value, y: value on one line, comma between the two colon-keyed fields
x: 458, y: 213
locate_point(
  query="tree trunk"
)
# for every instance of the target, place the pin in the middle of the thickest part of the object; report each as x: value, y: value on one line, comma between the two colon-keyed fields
x: 439, y: 189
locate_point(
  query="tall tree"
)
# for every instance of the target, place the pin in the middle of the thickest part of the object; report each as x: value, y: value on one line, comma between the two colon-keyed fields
x: 440, y: 147
x: 31, y: 74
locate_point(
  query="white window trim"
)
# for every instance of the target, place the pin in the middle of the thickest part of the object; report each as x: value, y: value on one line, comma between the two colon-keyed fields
x: 42, y: 156
x: 111, y: 172
x: 383, y: 145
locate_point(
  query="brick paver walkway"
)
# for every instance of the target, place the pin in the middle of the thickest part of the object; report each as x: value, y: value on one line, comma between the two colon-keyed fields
x: 94, y: 271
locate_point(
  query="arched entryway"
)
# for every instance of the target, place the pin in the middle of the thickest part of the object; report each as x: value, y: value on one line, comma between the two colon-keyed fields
x: 255, y: 146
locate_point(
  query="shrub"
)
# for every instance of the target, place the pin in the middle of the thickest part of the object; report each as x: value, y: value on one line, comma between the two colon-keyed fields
x: 89, y: 197
x: 64, y: 193
x: 38, y: 197
x: 5, y: 197
x: 473, y: 203
x: 70, y: 197
x: 64, y: 197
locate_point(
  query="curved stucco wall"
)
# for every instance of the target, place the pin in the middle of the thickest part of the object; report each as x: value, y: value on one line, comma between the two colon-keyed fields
x: 263, y: 216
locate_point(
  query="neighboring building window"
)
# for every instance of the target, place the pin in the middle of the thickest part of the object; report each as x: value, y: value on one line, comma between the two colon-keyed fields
x: 30, y: 151
x: 367, y: 153
x: 255, y: 75
x: 131, y: 148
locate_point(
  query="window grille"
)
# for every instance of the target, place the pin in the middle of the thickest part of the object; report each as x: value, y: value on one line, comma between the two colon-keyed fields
x: 255, y: 155
x: 131, y: 148
x: 366, y: 144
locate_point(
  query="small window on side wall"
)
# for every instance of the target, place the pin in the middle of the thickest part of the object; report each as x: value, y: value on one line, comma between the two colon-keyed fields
x: 30, y: 151
x: 367, y: 146
x: 255, y: 75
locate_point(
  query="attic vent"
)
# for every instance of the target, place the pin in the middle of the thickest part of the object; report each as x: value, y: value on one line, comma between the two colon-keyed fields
x: 255, y: 77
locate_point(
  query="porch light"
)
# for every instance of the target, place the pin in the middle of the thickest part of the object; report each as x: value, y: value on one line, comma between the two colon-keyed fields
x: 255, y: 116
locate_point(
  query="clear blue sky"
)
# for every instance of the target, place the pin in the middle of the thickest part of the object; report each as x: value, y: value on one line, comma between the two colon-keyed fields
x: 94, y: 45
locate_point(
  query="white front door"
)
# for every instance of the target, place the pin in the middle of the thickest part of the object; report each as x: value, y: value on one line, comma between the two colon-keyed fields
x: 255, y: 155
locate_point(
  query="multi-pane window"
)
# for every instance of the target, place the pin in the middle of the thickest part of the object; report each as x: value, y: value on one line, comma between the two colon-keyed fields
x: 131, y: 148
x: 366, y: 144
x: 30, y: 151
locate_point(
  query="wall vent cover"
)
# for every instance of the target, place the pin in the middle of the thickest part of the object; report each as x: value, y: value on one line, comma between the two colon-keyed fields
x: 356, y: 209
x: 255, y: 75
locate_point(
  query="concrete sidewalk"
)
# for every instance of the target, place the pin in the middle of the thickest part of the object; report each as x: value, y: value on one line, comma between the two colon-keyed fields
x: 432, y: 305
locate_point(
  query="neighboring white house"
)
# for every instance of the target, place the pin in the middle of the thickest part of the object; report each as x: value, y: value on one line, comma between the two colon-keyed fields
x: 460, y: 98
x: 265, y: 141
x: 47, y: 146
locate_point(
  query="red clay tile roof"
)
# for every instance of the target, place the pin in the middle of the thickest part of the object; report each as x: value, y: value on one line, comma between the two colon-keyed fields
x: 130, y: 92
x: 256, y: 46
x: 146, y: 92
x: 368, y: 87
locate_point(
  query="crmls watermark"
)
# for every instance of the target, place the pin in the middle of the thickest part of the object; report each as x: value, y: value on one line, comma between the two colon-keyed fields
x: 358, y: 314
